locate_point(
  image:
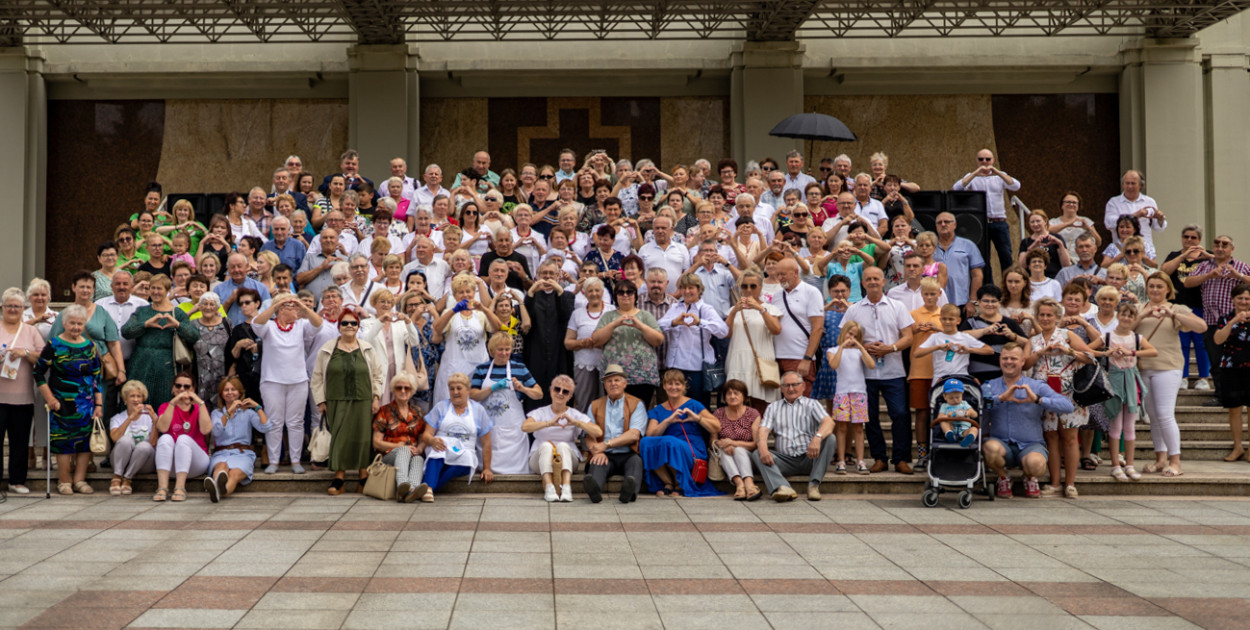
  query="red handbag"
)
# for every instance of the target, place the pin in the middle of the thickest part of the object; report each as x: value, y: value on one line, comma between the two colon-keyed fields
x: 699, y: 472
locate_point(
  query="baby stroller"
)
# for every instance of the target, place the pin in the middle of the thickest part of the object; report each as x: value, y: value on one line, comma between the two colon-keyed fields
x: 951, y: 465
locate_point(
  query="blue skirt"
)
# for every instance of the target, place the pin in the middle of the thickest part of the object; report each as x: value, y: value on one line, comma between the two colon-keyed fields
x: 675, y: 453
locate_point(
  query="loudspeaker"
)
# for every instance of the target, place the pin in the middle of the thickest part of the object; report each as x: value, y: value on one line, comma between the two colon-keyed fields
x: 968, y: 206
x: 205, y: 204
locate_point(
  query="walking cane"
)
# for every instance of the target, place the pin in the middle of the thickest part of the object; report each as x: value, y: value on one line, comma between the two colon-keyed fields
x: 47, y: 460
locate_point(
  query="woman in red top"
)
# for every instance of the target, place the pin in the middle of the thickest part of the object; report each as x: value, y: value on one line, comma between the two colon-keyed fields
x: 736, y: 440
x: 397, y: 431
x: 183, y: 422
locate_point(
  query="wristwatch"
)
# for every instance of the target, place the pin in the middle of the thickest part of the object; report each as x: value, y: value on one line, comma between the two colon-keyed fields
x: 811, y: 358
x: 819, y: 436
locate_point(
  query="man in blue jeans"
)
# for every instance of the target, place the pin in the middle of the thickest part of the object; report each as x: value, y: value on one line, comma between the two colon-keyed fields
x: 995, y: 183
x: 887, y: 333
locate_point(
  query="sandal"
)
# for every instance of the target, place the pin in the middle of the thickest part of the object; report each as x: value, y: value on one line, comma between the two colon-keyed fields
x: 126, y: 489
x: 1088, y: 463
x: 1235, y: 455
x: 1172, y: 472
x: 161, y: 495
x: 740, y: 494
x: 179, y: 496
x: 115, y: 487
x: 82, y: 487
x: 1118, y: 474
x: 759, y: 494
x: 336, y: 487
x: 1154, y: 468
x: 65, y: 488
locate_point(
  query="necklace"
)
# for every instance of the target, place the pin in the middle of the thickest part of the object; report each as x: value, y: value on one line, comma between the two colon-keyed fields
x: 286, y: 328
x: 593, y: 316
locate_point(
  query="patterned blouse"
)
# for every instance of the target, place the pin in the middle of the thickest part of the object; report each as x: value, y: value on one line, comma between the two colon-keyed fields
x: 628, y: 348
x: 738, y: 430
x: 393, y: 427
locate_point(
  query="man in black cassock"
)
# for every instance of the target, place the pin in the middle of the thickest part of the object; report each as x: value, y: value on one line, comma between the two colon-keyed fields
x: 550, y: 308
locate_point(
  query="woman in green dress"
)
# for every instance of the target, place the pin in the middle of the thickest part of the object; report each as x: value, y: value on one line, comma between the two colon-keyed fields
x: 183, y: 222
x: 347, y: 385
x: 68, y: 375
x: 153, y: 327
x: 101, y: 329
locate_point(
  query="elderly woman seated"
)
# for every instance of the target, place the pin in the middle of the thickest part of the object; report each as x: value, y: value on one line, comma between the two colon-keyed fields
x: 399, y: 432
x: 134, y: 438
x: 233, y: 458
x: 677, y: 433
x: 556, y: 429
x: 456, y: 430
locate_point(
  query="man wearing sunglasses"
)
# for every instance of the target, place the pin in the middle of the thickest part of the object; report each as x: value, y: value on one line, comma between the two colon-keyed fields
x: 995, y: 183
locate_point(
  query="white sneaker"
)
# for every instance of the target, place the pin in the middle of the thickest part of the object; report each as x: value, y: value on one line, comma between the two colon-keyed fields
x: 566, y: 493
x: 18, y: 488
x: 1202, y: 384
x: 1184, y: 384
x: 550, y: 495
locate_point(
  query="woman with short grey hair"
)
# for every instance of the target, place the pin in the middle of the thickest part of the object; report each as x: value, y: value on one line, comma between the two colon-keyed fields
x: 22, y: 346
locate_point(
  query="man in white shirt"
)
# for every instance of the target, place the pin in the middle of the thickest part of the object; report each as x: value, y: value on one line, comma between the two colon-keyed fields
x: 664, y: 253
x: 120, y: 306
x: 567, y: 162
x: 995, y: 183
x: 763, y: 213
x: 909, y: 292
x: 842, y: 166
x: 887, y: 332
x: 399, y: 168
x: 435, y: 269
x: 423, y: 226
x: 359, y: 265
x: 433, y: 177
x: 867, y: 207
x: 347, y: 242
x: 1132, y: 202
x: 795, y: 177
x: 802, y: 322
x: 776, y: 188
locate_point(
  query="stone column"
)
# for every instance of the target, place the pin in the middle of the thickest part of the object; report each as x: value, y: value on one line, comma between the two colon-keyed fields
x: 383, y: 107
x: 1161, y: 129
x: 23, y: 137
x: 766, y: 86
x: 1228, y: 146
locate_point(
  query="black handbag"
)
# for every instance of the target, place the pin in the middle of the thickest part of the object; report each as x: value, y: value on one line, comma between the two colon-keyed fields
x: 1090, y: 385
x: 713, y: 373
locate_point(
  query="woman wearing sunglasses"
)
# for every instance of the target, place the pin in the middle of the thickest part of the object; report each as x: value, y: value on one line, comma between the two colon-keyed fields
x: 752, y: 324
x: 556, y: 429
x: 183, y: 446
x: 347, y: 386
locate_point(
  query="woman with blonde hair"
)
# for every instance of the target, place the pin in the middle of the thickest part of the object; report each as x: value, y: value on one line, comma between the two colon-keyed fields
x: 392, y: 334
x: 463, y: 328
x: 498, y: 385
x: 133, y: 434
x: 1056, y: 353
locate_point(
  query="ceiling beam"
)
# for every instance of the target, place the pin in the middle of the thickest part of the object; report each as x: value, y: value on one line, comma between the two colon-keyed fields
x: 778, y: 20
x: 375, y: 21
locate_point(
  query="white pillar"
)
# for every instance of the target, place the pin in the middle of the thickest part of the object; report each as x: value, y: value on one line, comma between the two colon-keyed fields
x: 1162, y: 122
x: 766, y: 87
x: 23, y: 158
x: 1228, y: 146
x: 383, y: 107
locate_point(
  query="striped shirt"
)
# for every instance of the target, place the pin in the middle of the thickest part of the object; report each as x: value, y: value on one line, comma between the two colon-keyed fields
x: 794, y: 424
x: 500, y: 372
x: 657, y: 310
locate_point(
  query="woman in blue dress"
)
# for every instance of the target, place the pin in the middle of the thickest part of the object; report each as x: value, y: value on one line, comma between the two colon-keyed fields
x: 826, y: 378
x: 677, y: 433
x: 233, y: 458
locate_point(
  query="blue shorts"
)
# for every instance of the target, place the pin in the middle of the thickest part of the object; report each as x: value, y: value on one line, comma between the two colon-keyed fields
x: 1015, y: 454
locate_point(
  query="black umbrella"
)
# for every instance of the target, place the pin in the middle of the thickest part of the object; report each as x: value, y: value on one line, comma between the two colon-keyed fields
x: 812, y: 126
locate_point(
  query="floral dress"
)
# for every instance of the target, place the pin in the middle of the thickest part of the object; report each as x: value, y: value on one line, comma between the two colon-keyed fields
x: 894, y: 265
x: 826, y: 377
x: 429, y: 353
x: 1060, y: 367
x: 210, y: 358
x: 630, y: 350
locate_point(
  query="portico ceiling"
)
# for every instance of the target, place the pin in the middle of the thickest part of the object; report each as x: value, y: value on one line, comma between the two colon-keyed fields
x: 399, y: 21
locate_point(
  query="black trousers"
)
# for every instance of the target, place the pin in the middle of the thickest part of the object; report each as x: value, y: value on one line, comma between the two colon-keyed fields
x: 15, y: 422
x: 628, y: 464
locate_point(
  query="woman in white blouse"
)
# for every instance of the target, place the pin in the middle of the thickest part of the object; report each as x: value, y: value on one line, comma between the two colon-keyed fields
x: 284, y: 374
x: 752, y: 324
x: 587, y: 358
x: 689, y: 326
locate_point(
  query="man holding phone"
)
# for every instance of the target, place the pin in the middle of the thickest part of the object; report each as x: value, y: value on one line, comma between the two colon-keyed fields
x: 1013, y: 406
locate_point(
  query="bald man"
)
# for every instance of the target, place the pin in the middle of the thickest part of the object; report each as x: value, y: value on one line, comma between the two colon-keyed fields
x: 996, y: 184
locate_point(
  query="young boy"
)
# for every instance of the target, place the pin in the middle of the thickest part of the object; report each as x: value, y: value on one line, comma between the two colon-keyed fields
x: 954, y: 414
x: 954, y: 344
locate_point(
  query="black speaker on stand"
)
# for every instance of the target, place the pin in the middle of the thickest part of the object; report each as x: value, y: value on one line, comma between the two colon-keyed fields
x: 968, y: 206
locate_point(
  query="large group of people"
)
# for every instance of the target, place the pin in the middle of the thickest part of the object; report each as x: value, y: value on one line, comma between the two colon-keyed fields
x: 664, y: 327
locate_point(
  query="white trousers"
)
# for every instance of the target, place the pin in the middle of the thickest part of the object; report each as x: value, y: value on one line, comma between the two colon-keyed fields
x: 183, y: 456
x: 540, y: 460
x: 738, y: 464
x: 285, y: 406
x: 1161, y: 405
x: 130, y: 459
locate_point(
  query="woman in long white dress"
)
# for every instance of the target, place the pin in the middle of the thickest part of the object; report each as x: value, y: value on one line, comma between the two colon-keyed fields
x: 464, y: 326
x: 498, y: 385
x: 752, y: 318
x: 392, y: 335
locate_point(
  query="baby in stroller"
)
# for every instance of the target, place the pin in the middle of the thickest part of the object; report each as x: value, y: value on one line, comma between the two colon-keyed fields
x: 954, y: 413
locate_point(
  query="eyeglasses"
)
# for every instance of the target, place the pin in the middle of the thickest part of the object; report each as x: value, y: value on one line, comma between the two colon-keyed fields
x: 625, y: 294
x: 826, y: 169
x: 749, y: 286
x: 945, y: 221
x: 469, y: 212
x: 182, y: 386
x: 246, y: 302
x: 727, y: 172
x: 349, y: 324
x: 125, y: 239
x: 985, y: 159
x: 646, y: 197
x: 1069, y: 202
x: 546, y: 177
x: 1132, y: 251
x: 766, y: 169
x: 802, y: 215
x: 799, y: 384
x: 402, y: 388
x: 561, y: 390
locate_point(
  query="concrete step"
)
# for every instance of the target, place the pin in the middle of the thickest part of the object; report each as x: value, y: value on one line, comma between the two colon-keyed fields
x: 1201, y: 478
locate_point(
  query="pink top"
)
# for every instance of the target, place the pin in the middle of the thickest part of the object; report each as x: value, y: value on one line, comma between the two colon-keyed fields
x: 931, y: 271
x: 185, y: 422
x: 20, y: 390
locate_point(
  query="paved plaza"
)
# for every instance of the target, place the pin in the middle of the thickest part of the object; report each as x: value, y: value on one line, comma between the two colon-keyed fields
x: 505, y: 561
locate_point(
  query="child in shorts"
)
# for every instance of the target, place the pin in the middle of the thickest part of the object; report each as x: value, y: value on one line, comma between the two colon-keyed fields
x: 850, y: 400
x: 954, y: 413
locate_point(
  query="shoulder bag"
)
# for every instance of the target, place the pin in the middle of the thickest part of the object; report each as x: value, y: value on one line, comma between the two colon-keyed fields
x: 699, y: 471
x: 381, y: 482
x: 319, y: 443
x: 768, y: 369
x: 99, y: 437
x: 1090, y: 385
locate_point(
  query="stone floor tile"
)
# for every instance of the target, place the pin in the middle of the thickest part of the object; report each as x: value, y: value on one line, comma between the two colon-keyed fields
x: 188, y: 618
x: 804, y: 603
x: 405, y: 601
x: 885, y: 604
x: 306, y: 601
x: 434, y: 619
x: 929, y: 621
x: 511, y: 619
x: 617, y: 620
x: 799, y: 620
x: 1140, y: 623
x: 297, y: 619
x: 703, y: 603
x: 714, y: 620
x: 504, y: 601
x: 1010, y: 621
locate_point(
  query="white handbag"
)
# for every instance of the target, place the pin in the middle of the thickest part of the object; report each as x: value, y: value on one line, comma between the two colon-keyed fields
x: 319, y: 443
